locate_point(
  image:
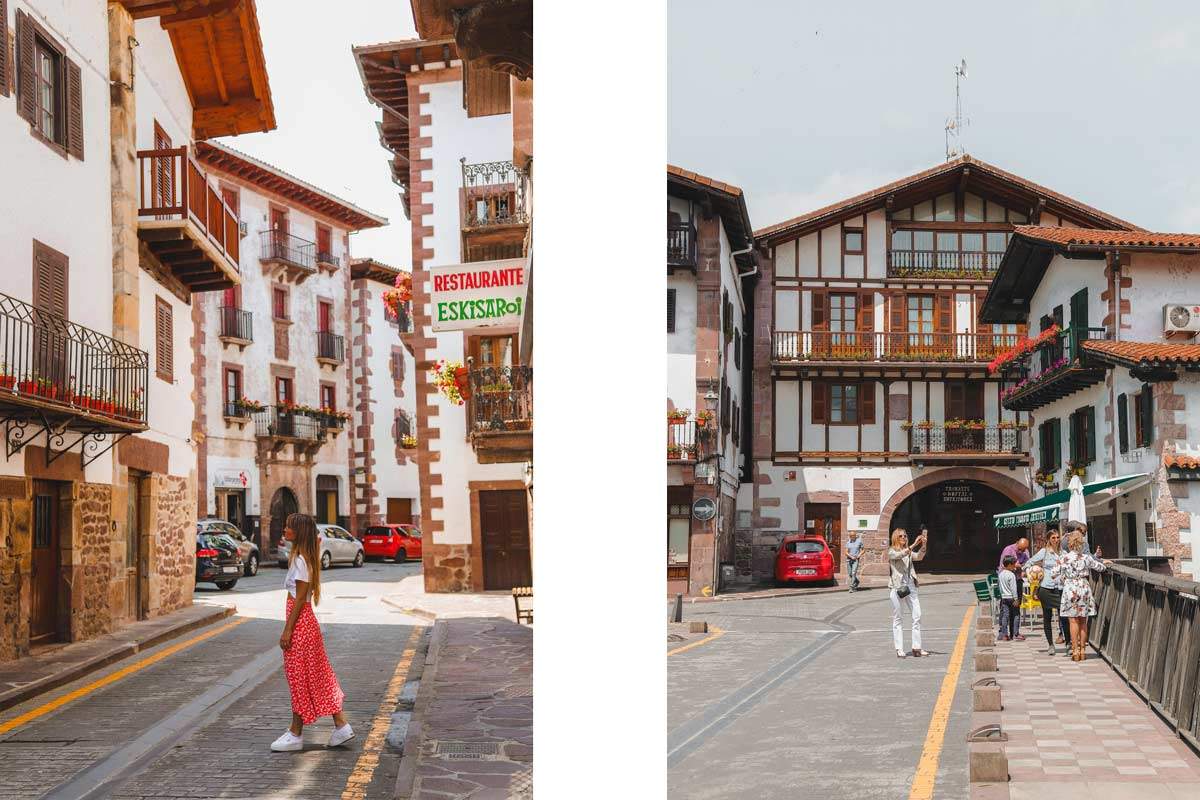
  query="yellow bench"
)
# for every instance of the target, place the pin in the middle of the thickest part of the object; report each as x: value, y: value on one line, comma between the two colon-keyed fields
x: 523, y: 614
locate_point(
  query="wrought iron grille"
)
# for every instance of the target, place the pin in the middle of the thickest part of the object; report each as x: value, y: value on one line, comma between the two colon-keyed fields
x: 324, y: 257
x: 682, y: 444
x: 330, y: 346
x: 681, y: 244
x: 237, y: 323
x: 234, y: 410
x: 54, y: 360
x: 281, y: 246
x: 918, y: 263
x: 940, y: 439
x: 495, y: 194
x: 501, y: 398
x: 279, y: 422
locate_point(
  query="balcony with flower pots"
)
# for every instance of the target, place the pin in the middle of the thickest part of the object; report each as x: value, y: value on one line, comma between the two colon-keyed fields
x: 968, y: 442
x: 871, y: 352
x: 304, y: 427
x: 498, y: 401
x: 1048, y: 367
x: 80, y: 388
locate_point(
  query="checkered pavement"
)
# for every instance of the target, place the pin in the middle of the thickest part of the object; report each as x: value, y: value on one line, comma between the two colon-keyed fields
x: 1078, y: 722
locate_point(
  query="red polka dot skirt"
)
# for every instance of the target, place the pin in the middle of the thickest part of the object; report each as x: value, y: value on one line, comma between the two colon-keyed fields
x: 314, y: 687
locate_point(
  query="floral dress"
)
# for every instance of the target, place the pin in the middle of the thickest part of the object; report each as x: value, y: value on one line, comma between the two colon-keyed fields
x: 1073, y: 572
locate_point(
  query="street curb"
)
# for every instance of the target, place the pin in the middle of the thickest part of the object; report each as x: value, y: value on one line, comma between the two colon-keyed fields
x: 406, y: 775
x: 12, y: 697
x: 416, y: 612
x: 805, y: 592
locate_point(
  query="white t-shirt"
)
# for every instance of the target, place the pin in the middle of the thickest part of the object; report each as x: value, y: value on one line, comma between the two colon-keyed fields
x: 297, y: 571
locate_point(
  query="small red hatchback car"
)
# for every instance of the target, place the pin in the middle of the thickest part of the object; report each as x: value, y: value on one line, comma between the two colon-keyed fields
x: 398, y: 542
x: 803, y: 559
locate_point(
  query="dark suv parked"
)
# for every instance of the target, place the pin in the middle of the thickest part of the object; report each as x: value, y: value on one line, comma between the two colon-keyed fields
x: 246, y: 547
x: 217, y: 560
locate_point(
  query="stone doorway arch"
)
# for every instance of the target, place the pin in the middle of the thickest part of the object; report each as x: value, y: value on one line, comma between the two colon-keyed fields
x: 283, y: 502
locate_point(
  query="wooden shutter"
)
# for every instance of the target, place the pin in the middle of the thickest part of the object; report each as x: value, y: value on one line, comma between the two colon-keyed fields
x: 980, y: 327
x: 486, y: 92
x: 74, y: 108
x: 819, y: 394
x: 1147, y: 415
x: 670, y: 310
x: 50, y: 280
x: 898, y: 311
x: 820, y: 311
x: 973, y: 400
x: 164, y: 340
x: 866, y: 394
x: 943, y: 319
x: 26, y: 90
x: 1055, y: 443
x: 1073, y: 437
x: 866, y: 312
x: 1090, y: 416
x: 955, y: 401
x: 5, y: 66
x: 1123, y: 423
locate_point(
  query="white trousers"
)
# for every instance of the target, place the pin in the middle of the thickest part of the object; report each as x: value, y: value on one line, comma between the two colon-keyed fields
x: 914, y: 607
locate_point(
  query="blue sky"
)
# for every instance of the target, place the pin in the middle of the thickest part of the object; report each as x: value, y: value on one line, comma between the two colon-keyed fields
x: 804, y: 103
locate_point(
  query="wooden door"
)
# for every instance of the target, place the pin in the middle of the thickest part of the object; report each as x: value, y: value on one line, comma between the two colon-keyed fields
x: 133, y: 560
x: 279, y: 220
x: 504, y: 531
x: 45, y: 562
x: 822, y: 519
x: 324, y: 317
x: 399, y: 509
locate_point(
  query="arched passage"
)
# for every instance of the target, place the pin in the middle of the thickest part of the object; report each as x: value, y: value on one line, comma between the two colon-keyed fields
x: 957, y: 506
x: 283, y: 502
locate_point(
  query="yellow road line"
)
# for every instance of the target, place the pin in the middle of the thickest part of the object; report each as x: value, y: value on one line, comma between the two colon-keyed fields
x: 364, y: 768
x: 717, y: 634
x: 926, y: 775
x: 124, y: 672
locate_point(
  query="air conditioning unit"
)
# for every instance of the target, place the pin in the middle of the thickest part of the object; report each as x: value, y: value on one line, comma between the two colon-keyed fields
x: 242, y: 229
x: 1181, y: 319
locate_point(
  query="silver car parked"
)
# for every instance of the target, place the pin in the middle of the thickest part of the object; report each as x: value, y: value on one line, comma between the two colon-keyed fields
x: 337, y: 547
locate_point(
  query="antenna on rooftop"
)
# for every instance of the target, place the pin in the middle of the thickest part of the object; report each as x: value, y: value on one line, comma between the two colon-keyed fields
x: 954, y: 125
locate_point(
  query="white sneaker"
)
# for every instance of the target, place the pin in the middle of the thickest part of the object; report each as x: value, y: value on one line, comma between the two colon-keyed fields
x: 289, y: 742
x: 340, y: 735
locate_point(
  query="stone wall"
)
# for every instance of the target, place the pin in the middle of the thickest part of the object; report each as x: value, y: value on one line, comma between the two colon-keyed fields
x: 447, y: 567
x: 90, y: 563
x: 172, y: 543
x: 15, y: 600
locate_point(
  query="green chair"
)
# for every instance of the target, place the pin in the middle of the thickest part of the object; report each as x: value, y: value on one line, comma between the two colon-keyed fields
x: 983, y: 593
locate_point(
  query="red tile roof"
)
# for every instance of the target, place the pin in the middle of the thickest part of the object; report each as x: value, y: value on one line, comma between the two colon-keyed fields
x: 1181, y: 462
x: 1088, y: 238
x: 1145, y: 354
x: 875, y: 195
x: 711, y: 183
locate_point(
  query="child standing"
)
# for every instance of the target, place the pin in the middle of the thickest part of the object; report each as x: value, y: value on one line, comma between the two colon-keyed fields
x: 1010, y: 603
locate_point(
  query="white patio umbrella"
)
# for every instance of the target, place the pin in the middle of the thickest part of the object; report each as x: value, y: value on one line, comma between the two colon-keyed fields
x: 1076, y: 511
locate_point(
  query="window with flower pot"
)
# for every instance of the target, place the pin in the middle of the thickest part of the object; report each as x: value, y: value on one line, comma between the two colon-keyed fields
x: 232, y: 391
x: 1050, y: 444
x: 404, y: 426
x: 1082, y: 436
x: 328, y: 396
x: 283, y: 390
x: 843, y: 403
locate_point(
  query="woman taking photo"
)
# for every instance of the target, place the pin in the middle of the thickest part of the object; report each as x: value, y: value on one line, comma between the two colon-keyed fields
x: 903, y: 585
x: 1073, y: 571
x: 1049, y: 592
x: 314, y: 687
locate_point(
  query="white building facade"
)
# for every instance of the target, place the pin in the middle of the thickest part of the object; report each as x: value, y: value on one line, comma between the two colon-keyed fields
x: 879, y: 409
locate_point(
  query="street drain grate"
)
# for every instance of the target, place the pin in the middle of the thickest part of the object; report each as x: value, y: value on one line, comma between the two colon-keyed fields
x: 466, y: 751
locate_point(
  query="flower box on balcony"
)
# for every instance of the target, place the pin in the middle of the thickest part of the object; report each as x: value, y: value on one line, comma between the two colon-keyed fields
x: 678, y: 416
x: 518, y: 424
x: 408, y: 443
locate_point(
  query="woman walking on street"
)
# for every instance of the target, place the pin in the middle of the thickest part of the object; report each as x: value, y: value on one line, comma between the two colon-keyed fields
x: 902, y: 582
x: 1049, y: 592
x: 1074, y: 570
x: 314, y: 687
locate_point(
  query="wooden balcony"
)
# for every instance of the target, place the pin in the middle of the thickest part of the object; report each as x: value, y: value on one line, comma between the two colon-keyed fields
x: 237, y: 326
x: 681, y: 246
x: 287, y: 258
x: 500, y: 413
x: 1053, y: 371
x: 495, y: 217
x: 331, y: 349
x: 935, y: 351
x: 184, y: 221
x: 948, y: 265
x: 965, y: 445
x: 76, y: 386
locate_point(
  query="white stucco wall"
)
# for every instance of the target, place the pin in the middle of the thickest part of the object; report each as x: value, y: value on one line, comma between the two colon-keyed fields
x: 681, y: 345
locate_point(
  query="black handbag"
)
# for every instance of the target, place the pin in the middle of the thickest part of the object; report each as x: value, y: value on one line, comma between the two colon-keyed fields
x: 903, y: 591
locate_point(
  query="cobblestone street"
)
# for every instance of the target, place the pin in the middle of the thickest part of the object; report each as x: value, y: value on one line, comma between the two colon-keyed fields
x: 199, y: 722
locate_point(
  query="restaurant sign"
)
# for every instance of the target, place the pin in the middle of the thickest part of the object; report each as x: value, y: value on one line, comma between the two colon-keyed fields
x: 483, y: 294
x: 231, y: 479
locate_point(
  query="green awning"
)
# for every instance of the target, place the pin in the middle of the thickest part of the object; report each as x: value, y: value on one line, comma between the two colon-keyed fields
x: 1045, y: 509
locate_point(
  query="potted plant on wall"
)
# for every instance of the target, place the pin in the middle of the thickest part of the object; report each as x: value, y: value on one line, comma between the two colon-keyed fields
x: 6, y: 381
x: 678, y: 415
x: 450, y: 378
x: 674, y: 452
x: 408, y: 442
x: 704, y: 418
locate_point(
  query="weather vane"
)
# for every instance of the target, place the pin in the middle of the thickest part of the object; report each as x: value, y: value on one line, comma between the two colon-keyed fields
x: 954, y: 125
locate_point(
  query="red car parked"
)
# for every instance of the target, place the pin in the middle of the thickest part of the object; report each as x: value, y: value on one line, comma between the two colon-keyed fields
x: 803, y: 559
x: 398, y: 542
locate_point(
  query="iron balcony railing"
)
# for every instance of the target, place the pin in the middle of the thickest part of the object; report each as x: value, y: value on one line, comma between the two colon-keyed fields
x: 234, y: 410
x: 682, y: 441
x: 172, y: 185
x: 933, y: 263
x: 872, y: 346
x: 281, y: 246
x: 681, y: 244
x: 49, y: 358
x: 1061, y: 351
x: 495, y: 194
x: 964, y: 439
x: 1148, y: 628
x: 325, y: 257
x: 279, y: 422
x: 330, y: 346
x: 501, y: 398
x: 237, y: 323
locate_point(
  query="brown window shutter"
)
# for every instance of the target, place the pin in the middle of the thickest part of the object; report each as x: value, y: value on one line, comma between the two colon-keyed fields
x: 944, y: 318
x: 820, y: 311
x: 26, y: 104
x: 50, y: 271
x: 5, y: 67
x: 973, y: 400
x: 955, y: 402
x: 819, y: 391
x: 980, y: 327
x: 486, y: 92
x: 866, y: 392
x: 866, y: 312
x: 74, y: 109
x: 164, y: 344
x: 897, y: 303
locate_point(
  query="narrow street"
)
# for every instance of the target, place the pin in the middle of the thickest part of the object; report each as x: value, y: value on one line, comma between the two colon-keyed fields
x: 199, y: 722
x: 804, y: 697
